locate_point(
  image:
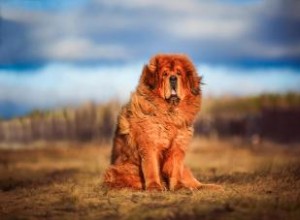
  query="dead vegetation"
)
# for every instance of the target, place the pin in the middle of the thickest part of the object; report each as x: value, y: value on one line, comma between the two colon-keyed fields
x: 62, y: 180
x: 265, y: 116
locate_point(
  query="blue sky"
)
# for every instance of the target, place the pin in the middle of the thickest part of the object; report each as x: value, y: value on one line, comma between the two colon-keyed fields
x: 85, y: 32
x: 51, y: 50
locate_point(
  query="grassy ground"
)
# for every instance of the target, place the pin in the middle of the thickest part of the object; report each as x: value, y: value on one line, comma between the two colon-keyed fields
x: 62, y: 181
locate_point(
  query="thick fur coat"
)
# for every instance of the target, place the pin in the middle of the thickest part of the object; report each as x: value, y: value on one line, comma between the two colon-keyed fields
x: 154, y: 129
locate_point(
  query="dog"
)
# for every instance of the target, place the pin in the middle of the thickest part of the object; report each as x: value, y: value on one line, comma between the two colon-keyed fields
x: 155, y: 127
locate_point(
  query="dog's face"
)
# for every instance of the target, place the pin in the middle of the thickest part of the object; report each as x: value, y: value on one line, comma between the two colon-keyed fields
x: 172, y: 77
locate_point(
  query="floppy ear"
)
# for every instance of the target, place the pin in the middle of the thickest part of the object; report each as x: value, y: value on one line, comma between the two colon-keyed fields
x: 149, y: 76
x: 194, y: 82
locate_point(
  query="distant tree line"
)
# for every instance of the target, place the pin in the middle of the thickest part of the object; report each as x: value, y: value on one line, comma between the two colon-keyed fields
x: 275, y: 117
x: 84, y: 123
x: 270, y: 116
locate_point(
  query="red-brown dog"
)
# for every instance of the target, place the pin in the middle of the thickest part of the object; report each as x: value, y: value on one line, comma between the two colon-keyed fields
x: 155, y: 128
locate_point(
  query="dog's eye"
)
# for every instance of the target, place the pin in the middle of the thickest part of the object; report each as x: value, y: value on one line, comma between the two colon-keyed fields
x: 178, y: 72
x: 165, y: 73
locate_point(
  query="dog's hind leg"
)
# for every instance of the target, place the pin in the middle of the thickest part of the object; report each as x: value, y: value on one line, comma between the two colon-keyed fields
x: 123, y: 176
x: 189, y: 181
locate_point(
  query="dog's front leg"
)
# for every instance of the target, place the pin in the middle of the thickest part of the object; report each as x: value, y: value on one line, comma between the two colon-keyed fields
x: 150, y: 168
x: 173, y: 166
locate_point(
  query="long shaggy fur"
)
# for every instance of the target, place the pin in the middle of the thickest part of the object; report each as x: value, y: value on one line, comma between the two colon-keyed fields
x: 154, y: 129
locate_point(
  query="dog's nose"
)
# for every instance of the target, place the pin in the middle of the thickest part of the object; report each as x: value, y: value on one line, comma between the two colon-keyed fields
x: 173, y: 81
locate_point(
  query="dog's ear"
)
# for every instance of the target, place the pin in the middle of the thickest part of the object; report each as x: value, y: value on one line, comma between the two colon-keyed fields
x: 149, y: 75
x: 194, y: 81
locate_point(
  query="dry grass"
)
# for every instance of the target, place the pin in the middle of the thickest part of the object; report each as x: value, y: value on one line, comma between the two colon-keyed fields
x: 62, y: 181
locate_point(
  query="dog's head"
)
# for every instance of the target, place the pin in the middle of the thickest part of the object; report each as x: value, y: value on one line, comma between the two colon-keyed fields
x: 172, y: 77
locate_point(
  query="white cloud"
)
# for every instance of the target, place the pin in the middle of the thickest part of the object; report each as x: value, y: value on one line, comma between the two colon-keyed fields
x: 197, y: 29
x: 21, y: 15
x: 222, y: 80
x: 81, y: 49
x: 131, y: 29
x: 173, y: 6
x: 60, y: 85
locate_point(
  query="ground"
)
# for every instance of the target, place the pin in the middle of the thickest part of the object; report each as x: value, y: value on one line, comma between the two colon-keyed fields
x: 62, y: 180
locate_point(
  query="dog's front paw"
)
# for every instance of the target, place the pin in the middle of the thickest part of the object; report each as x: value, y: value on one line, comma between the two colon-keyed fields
x: 174, y: 184
x: 154, y: 186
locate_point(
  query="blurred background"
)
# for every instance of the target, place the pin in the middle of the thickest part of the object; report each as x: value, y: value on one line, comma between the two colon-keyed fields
x: 66, y: 66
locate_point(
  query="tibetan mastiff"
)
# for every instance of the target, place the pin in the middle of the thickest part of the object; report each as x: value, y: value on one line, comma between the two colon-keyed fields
x: 154, y: 129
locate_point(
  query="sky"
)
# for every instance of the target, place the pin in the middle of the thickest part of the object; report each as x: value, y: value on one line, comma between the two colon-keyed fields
x: 64, y: 52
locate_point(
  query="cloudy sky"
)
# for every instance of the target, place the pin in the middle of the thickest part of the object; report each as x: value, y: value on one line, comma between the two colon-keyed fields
x: 51, y: 50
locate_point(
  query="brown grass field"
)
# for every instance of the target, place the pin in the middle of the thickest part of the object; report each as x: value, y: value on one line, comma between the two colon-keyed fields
x: 62, y: 180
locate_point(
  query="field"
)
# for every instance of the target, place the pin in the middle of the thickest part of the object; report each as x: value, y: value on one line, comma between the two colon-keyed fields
x: 62, y: 180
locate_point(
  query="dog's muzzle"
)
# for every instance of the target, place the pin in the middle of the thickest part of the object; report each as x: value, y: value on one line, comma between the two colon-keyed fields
x: 174, y: 99
x: 173, y: 83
